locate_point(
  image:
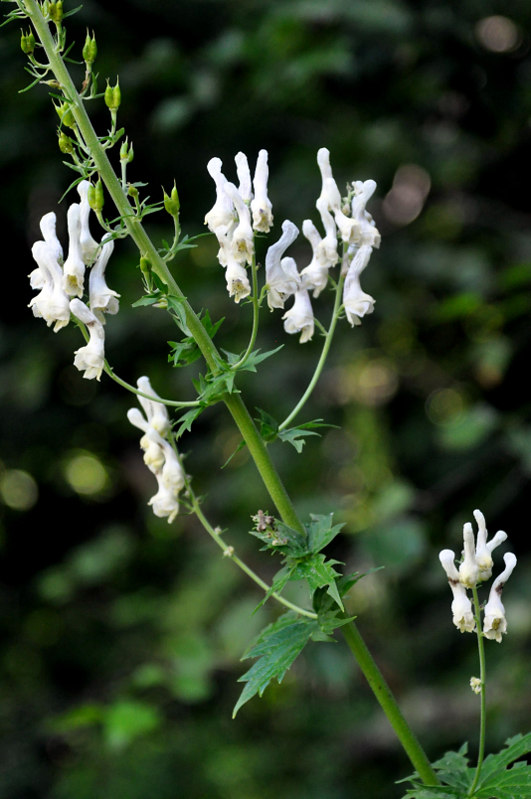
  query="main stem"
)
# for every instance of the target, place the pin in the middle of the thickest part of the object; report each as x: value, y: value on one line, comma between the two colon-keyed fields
x: 233, y: 402
x: 389, y: 705
x: 483, y: 701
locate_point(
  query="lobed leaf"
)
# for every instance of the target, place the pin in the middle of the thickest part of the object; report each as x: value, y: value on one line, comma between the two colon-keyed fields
x: 276, y: 648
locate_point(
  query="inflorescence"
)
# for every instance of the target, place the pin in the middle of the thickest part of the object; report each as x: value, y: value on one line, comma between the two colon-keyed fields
x: 476, y: 567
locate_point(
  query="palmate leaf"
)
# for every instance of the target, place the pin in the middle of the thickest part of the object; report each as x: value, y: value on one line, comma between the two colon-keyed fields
x: 276, y: 648
x: 502, y: 782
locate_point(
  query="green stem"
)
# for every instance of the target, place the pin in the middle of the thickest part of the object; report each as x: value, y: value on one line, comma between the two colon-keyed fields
x: 389, y: 705
x: 321, y: 361
x: 228, y: 552
x: 483, y: 703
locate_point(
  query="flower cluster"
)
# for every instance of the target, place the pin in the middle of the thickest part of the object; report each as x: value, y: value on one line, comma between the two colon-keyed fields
x: 475, y: 567
x: 345, y: 221
x: 230, y: 218
x: 159, y: 455
x: 61, y: 282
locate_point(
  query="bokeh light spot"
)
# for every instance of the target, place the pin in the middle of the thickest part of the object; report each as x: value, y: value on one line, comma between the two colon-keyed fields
x: 18, y: 489
x: 86, y: 474
x: 498, y: 34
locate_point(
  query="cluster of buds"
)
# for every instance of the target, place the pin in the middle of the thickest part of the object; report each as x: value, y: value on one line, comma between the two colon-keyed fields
x: 344, y: 220
x: 61, y: 282
x: 159, y: 455
x: 476, y: 567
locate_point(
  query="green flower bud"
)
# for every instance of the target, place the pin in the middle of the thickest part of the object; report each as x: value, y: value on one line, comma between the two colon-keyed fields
x: 132, y: 191
x: 66, y: 145
x: 90, y: 49
x: 95, y: 196
x: 55, y: 11
x: 27, y: 43
x: 126, y: 152
x: 171, y: 203
x: 113, y: 97
x: 65, y: 114
x: 145, y: 268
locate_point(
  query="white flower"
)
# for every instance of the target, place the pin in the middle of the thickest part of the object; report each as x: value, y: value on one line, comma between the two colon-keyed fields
x: 261, y: 207
x: 51, y: 304
x: 244, y: 177
x: 221, y: 215
x: 315, y: 275
x: 237, y: 281
x: 282, y: 277
x: 462, y: 614
x: 468, y: 570
x: 74, y: 266
x: 327, y: 247
x: 495, y: 623
x: 355, y: 301
x: 88, y: 246
x: 102, y: 299
x: 89, y: 359
x: 299, y: 318
x: 331, y: 197
x: 241, y: 237
x: 159, y: 456
x: 484, y: 548
x: 156, y: 412
x: 47, y: 226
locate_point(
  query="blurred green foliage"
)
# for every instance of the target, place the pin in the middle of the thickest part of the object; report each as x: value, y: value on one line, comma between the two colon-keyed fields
x: 122, y: 634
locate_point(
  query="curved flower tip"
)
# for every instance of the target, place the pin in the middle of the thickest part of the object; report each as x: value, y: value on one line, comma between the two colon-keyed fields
x: 495, y: 624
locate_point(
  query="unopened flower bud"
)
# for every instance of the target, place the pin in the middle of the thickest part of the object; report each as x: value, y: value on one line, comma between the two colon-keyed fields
x: 55, y: 11
x: 27, y: 43
x: 113, y: 97
x: 95, y: 196
x: 66, y: 145
x: 126, y: 151
x: 64, y: 112
x: 90, y: 49
x: 171, y: 202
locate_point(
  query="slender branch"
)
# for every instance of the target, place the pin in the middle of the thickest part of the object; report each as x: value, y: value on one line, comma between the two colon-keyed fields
x: 228, y: 552
x: 322, y: 359
x: 256, y: 317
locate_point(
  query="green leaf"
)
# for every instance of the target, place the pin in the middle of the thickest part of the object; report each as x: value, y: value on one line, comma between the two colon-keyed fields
x: 267, y: 425
x: 498, y: 780
x: 321, y: 531
x: 276, y: 648
x: 186, y: 351
x: 255, y: 357
x: 318, y: 572
x: 296, y: 436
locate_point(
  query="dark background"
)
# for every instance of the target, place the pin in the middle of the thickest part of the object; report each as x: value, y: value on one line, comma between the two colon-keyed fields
x: 122, y: 635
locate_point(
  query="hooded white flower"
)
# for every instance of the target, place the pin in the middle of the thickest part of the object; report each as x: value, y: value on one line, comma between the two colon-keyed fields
x: 89, y: 359
x: 237, y: 281
x: 261, y: 207
x: 484, y: 548
x: 462, y: 614
x: 155, y: 411
x: 51, y: 304
x: 281, y: 275
x: 241, y: 242
x: 355, y: 301
x: 299, y: 318
x: 102, y: 299
x: 495, y: 623
x: 159, y: 455
x: 74, y: 266
x: 244, y: 177
x: 88, y: 245
x: 331, y: 198
x: 47, y: 226
x: 221, y: 215
x: 315, y: 275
